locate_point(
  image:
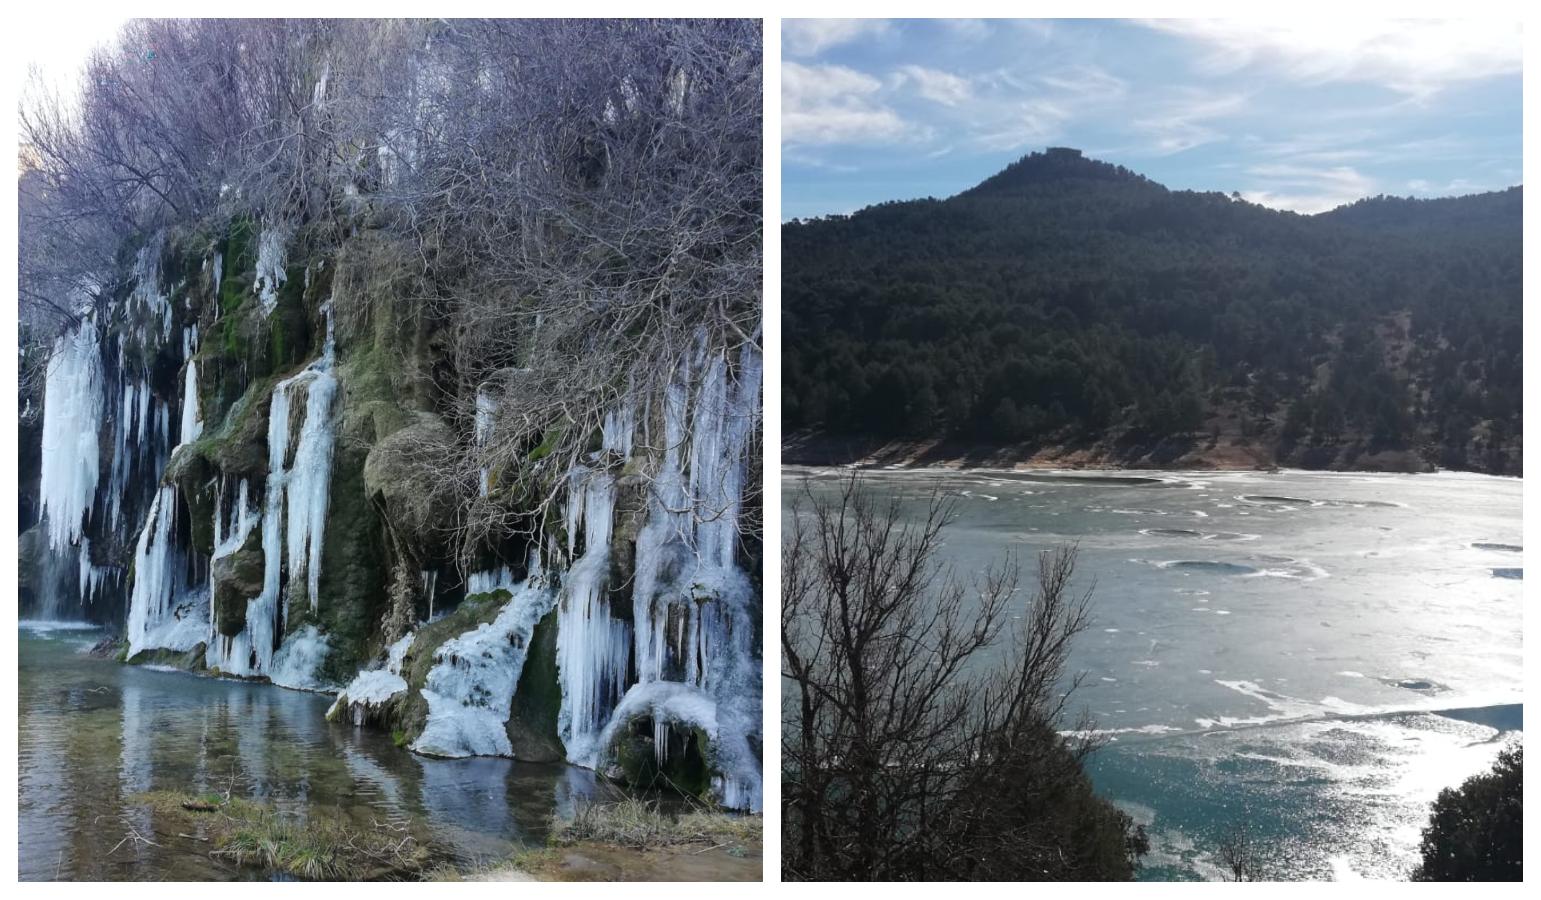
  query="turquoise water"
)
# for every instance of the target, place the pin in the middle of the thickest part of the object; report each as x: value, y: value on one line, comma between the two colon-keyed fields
x: 96, y: 735
x: 1313, y: 654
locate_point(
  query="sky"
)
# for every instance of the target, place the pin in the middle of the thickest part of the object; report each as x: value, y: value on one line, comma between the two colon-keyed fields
x: 57, y: 47
x: 1297, y: 115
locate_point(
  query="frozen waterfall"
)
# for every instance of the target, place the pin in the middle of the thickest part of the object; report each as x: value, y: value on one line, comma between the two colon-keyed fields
x: 72, y: 421
x: 293, y: 516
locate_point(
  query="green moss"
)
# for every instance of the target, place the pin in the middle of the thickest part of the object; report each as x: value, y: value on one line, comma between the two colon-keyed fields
x: 240, y: 245
x: 353, y: 598
x: 687, y: 766
x: 547, y: 444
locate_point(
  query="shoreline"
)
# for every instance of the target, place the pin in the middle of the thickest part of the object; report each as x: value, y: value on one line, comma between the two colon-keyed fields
x: 821, y: 451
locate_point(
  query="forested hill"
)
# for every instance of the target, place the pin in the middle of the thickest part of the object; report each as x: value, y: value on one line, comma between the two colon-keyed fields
x: 1070, y: 310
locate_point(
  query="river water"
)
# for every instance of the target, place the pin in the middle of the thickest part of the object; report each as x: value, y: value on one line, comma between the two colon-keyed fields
x: 96, y: 735
x: 1312, y: 654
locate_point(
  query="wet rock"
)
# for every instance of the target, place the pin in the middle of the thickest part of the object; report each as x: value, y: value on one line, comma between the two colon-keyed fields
x: 236, y: 579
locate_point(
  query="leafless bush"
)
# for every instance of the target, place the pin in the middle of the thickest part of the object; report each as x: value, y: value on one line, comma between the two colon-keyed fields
x: 907, y: 753
x: 578, y: 201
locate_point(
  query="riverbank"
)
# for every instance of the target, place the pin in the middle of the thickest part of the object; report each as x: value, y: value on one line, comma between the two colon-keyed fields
x: 635, y: 840
x: 1234, y: 455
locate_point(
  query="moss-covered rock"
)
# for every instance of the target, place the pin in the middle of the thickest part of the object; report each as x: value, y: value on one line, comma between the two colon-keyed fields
x: 353, y: 599
x: 687, y: 765
x: 532, y: 719
x: 476, y: 610
x: 400, y: 477
x: 190, y: 660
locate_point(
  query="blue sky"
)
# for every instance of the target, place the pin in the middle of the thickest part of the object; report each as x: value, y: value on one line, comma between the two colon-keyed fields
x: 1293, y: 115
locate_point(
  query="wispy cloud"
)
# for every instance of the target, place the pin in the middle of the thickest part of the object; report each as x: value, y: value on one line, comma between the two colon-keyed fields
x: 935, y: 85
x: 827, y: 104
x: 1416, y: 56
x: 1296, y: 116
x: 1187, y: 121
x: 1308, y: 190
x: 810, y: 37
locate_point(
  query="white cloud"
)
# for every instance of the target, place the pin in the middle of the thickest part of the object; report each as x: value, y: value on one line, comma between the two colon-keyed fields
x: 810, y: 37
x: 935, y: 85
x: 825, y: 104
x: 1414, y: 57
x: 1307, y: 189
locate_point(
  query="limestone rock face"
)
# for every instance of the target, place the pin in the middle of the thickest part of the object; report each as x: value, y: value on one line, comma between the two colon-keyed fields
x: 399, y: 473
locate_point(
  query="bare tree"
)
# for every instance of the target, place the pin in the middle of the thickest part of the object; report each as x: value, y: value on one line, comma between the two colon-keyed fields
x: 1240, y: 853
x: 919, y: 737
x: 574, y: 207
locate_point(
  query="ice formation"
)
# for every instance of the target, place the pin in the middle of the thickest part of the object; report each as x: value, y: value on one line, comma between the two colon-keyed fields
x: 167, y: 609
x: 192, y: 421
x: 298, y: 485
x: 693, y: 611
x: 298, y: 660
x: 682, y: 656
x: 371, y: 688
x: 470, y: 689
x: 72, y: 420
x: 593, y: 647
x: 272, y: 256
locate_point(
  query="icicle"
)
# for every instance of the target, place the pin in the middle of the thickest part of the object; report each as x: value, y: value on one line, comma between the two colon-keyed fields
x: 164, y: 611
x: 593, y: 648
x: 72, y: 420
x: 219, y: 273
x: 485, y: 408
x: 293, y: 516
x: 430, y: 587
x: 192, y: 422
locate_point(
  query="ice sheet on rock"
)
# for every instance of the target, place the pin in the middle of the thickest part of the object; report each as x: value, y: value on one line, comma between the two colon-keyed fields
x: 299, y: 659
x: 72, y: 421
x: 272, y: 257
x: 373, y: 687
x: 470, y: 689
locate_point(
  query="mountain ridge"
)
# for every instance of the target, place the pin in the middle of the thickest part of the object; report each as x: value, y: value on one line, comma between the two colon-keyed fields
x: 1382, y: 329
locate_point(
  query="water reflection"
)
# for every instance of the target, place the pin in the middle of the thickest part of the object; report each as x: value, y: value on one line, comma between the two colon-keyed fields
x: 96, y: 736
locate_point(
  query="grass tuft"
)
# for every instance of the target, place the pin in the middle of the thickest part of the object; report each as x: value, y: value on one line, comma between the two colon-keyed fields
x: 641, y: 824
x: 316, y: 847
